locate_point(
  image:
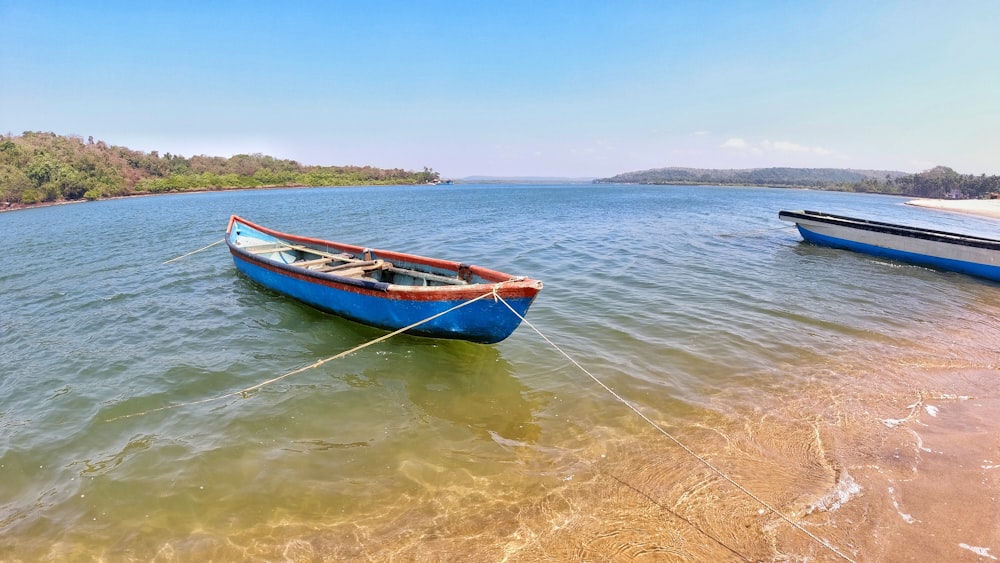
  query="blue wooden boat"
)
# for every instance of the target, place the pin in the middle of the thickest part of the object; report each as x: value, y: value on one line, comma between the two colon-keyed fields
x: 976, y: 256
x: 380, y: 288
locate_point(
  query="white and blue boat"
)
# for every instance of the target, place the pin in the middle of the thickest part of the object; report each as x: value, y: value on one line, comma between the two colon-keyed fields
x: 967, y: 254
x: 381, y: 288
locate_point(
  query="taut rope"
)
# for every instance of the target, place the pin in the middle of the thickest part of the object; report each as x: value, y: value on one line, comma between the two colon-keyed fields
x: 680, y: 444
x: 496, y: 296
x: 492, y: 292
x: 195, y: 251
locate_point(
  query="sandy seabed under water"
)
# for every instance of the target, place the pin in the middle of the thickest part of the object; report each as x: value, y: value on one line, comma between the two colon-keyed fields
x: 908, y: 470
x: 905, y: 470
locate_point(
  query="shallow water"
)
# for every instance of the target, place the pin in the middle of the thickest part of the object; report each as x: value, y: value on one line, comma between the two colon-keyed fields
x: 851, y: 394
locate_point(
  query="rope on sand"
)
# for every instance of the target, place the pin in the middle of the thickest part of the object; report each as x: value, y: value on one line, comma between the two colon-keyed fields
x: 680, y: 444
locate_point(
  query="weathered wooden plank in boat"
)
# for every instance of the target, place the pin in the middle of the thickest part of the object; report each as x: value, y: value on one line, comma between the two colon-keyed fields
x: 427, y: 276
x: 367, y: 264
x: 358, y: 269
x: 308, y: 263
x: 343, y: 256
x: 266, y: 248
x: 349, y: 262
x: 351, y: 273
x: 348, y: 269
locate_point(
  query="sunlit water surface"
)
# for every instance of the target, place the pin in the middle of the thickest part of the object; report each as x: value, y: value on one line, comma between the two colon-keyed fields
x: 853, y: 395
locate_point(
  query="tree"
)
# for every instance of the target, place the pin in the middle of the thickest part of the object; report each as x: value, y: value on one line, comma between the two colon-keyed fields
x: 39, y: 166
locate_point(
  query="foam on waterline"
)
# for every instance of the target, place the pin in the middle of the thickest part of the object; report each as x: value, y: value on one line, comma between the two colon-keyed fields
x: 980, y: 551
x: 909, y: 519
x: 845, y: 489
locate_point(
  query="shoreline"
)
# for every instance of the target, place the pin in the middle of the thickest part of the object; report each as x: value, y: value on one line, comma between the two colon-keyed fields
x: 979, y: 207
x: 989, y: 208
x: 22, y: 206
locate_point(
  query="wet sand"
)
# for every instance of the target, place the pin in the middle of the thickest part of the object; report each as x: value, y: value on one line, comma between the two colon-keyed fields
x: 899, y: 462
x: 907, y: 476
x: 922, y: 488
x: 980, y: 207
x: 909, y: 473
x: 948, y: 505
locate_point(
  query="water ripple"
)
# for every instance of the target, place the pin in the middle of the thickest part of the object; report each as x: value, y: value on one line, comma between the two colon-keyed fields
x: 775, y: 359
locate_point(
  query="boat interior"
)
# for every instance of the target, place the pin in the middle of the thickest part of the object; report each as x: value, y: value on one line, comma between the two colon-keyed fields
x: 347, y: 265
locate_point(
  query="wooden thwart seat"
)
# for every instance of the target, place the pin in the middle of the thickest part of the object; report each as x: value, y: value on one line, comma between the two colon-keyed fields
x: 347, y: 265
x: 355, y: 269
x: 284, y: 247
x: 266, y: 248
x: 427, y: 276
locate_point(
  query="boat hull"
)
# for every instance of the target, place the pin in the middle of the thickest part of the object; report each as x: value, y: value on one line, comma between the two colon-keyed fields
x: 386, y: 305
x: 965, y: 254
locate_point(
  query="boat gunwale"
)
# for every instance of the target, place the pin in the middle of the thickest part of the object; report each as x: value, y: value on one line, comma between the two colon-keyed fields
x: 891, y: 229
x: 506, y: 285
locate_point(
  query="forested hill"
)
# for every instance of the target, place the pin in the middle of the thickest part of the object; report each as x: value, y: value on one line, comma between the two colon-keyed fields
x: 43, y: 167
x: 937, y: 182
x: 798, y: 177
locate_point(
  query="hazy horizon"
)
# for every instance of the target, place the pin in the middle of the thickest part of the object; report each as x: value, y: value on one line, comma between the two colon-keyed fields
x: 557, y: 89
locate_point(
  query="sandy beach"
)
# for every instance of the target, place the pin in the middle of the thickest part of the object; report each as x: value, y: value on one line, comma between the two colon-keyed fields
x: 981, y: 207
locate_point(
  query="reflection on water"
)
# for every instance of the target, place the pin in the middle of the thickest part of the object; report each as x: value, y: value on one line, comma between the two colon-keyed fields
x: 465, y: 384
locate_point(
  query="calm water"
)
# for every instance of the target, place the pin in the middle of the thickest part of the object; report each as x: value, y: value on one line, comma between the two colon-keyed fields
x: 850, y: 393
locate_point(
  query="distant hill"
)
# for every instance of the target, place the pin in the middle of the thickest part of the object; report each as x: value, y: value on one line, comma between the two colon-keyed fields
x: 938, y: 182
x: 779, y: 177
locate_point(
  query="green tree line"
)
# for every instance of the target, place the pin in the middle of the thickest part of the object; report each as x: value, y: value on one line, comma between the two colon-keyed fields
x: 38, y: 167
x: 776, y: 177
x: 939, y: 182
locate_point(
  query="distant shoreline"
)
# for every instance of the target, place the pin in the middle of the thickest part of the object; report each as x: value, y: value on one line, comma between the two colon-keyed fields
x: 979, y: 207
x: 22, y: 206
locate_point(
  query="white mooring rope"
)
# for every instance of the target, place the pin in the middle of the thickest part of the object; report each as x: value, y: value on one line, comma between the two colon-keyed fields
x: 496, y: 296
x: 221, y: 240
x: 680, y: 444
x: 317, y: 363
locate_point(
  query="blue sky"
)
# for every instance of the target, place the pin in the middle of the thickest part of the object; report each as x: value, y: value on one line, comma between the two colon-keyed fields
x: 576, y: 88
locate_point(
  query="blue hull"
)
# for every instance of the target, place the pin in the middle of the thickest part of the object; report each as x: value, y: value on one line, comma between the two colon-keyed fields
x: 484, y: 321
x: 384, y: 289
x: 971, y: 268
x: 966, y: 254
